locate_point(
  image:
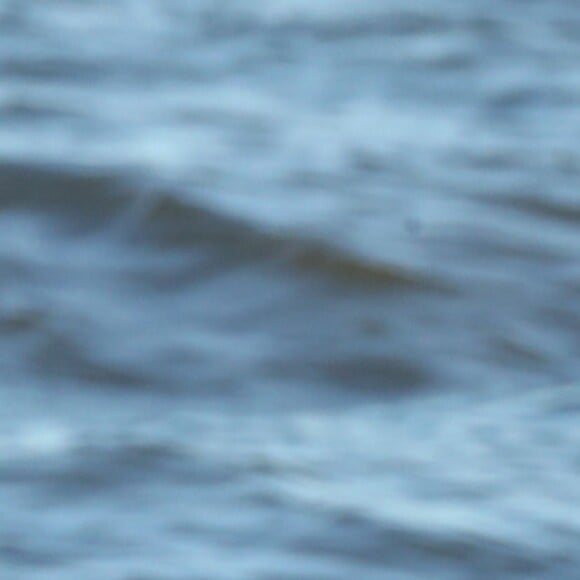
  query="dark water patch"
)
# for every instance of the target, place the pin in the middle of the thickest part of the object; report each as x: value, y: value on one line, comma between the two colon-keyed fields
x: 84, y: 202
x: 180, y: 224
x: 499, y: 159
x: 169, y: 221
x: 52, y: 69
x: 519, y: 98
x: 382, y: 373
x: 24, y: 110
x: 60, y: 355
x: 328, y: 26
x: 544, y: 206
x: 517, y: 351
x: 21, y: 320
x: 18, y: 553
x: 396, y: 24
x: 349, y: 268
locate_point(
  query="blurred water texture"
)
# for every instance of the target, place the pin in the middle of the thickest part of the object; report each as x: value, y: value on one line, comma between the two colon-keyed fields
x: 289, y: 289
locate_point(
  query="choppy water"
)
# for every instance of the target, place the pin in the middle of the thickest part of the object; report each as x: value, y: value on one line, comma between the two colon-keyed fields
x: 289, y: 289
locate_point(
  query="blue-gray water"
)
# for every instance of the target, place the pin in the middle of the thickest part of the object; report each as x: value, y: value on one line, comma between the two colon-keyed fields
x: 289, y: 289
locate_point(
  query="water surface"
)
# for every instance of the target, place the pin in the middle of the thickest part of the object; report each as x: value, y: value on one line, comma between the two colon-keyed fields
x: 289, y: 290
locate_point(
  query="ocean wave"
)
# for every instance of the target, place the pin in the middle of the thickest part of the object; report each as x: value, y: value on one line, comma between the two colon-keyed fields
x: 100, y: 256
x: 83, y: 202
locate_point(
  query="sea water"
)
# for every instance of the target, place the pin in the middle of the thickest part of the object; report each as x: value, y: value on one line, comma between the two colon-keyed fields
x: 289, y: 289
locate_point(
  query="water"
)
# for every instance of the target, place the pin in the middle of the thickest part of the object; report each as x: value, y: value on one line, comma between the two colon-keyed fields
x: 289, y: 289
